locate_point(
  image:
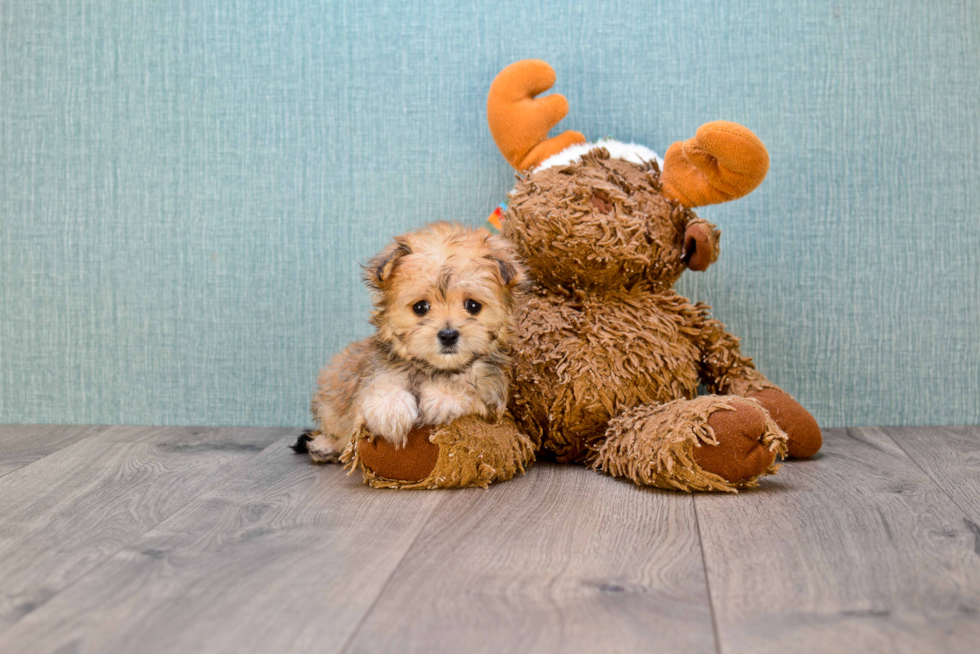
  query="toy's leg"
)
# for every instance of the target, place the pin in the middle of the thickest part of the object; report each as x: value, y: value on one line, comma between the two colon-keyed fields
x: 466, y: 452
x: 727, y: 372
x: 710, y: 443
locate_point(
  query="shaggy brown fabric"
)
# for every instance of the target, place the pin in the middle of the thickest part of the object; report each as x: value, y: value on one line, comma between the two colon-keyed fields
x: 803, y: 431
x: 604, y: 343
x: 411, y: 463
x: 724, y: 370
x: 634, y: 235
x: 471, y: 452
x: 656, y: 445
x: 580, y: 360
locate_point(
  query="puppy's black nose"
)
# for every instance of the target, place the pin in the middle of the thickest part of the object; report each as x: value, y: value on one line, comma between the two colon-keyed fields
x: 448, y: 337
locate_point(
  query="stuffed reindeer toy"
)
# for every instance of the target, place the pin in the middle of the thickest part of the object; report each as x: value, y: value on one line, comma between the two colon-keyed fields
x: 607, y: 356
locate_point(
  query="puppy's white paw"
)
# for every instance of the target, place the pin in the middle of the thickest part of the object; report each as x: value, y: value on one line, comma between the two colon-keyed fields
x: 440, y: 407
x: 391, y: 415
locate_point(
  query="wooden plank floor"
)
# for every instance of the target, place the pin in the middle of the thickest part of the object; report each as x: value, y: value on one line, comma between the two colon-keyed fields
x: 138, y: 539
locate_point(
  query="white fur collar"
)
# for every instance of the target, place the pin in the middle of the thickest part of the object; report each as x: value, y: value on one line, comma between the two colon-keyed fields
x: 617, y: 150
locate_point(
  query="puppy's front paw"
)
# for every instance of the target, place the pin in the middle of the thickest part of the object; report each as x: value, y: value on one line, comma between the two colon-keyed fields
x: 391, y: 415
x: 439, y: 407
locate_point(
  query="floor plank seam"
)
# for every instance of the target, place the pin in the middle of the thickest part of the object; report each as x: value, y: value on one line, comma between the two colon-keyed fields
x: 934, y: 481
x: 401, y: 559
x: 707, y: 581
x: 53, y: 452
x: 113, y: 554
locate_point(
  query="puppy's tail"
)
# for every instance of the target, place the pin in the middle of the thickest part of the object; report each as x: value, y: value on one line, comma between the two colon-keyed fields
x: 300, y: 445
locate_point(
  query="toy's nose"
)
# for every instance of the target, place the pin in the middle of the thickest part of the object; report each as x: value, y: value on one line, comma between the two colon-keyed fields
x: 448, y: 337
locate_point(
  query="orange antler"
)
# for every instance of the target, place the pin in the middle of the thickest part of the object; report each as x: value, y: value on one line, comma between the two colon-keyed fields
x: 519, y: 122
x: 723, y: 161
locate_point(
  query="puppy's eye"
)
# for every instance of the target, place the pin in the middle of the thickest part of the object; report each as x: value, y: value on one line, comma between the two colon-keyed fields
x: 472, y: 307
x: 421, y: 308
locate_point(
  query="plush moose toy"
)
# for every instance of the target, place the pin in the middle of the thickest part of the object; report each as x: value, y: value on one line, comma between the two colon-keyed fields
x: 608, y: 357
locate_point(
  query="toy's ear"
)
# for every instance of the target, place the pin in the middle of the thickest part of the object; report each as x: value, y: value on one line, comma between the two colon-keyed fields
x: 723, y: 161
x: 519, y: 121
x: 379, y: 269
x: 700, y: 245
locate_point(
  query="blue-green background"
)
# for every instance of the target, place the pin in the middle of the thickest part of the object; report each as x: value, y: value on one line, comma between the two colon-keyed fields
x: 186, y: 188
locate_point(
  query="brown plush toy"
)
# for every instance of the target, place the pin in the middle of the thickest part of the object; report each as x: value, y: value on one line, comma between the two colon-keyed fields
x: 608, y: 357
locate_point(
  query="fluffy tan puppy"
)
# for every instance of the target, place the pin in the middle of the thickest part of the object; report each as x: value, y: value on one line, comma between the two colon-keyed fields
x: 443, y: 309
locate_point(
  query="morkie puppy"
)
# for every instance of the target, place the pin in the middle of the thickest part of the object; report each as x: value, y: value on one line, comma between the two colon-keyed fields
x: 443, y: 309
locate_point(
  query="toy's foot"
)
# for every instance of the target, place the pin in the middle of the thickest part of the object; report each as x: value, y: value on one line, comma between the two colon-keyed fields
x: 804, y: 434
x: 466, y: 452
x: 413, y: 462
x: 740, y: 453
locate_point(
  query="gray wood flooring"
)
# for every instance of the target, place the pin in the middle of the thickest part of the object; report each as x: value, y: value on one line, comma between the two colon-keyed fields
x: 143, y: 539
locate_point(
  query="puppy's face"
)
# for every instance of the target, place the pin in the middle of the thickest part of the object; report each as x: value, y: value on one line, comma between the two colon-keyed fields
x: 444, y: 295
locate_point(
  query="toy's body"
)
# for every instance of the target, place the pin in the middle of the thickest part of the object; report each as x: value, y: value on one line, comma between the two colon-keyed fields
x: 604, y: 340
x: 575, y: 370
x: 608, y: 358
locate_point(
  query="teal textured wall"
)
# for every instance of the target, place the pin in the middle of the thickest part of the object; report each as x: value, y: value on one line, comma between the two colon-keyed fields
x: 186, y: 188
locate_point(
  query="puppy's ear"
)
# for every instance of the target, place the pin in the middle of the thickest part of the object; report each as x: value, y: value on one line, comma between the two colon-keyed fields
x: 379, y: 269
x: 512, y: 272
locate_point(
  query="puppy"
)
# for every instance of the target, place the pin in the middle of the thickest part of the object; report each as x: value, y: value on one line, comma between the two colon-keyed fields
x: 443, y: 312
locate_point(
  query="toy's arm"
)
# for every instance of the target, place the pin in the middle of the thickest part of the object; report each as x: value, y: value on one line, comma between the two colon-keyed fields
x: 725, y: 371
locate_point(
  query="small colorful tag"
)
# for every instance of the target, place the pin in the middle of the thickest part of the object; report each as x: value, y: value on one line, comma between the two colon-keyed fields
x: 495, y: 223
